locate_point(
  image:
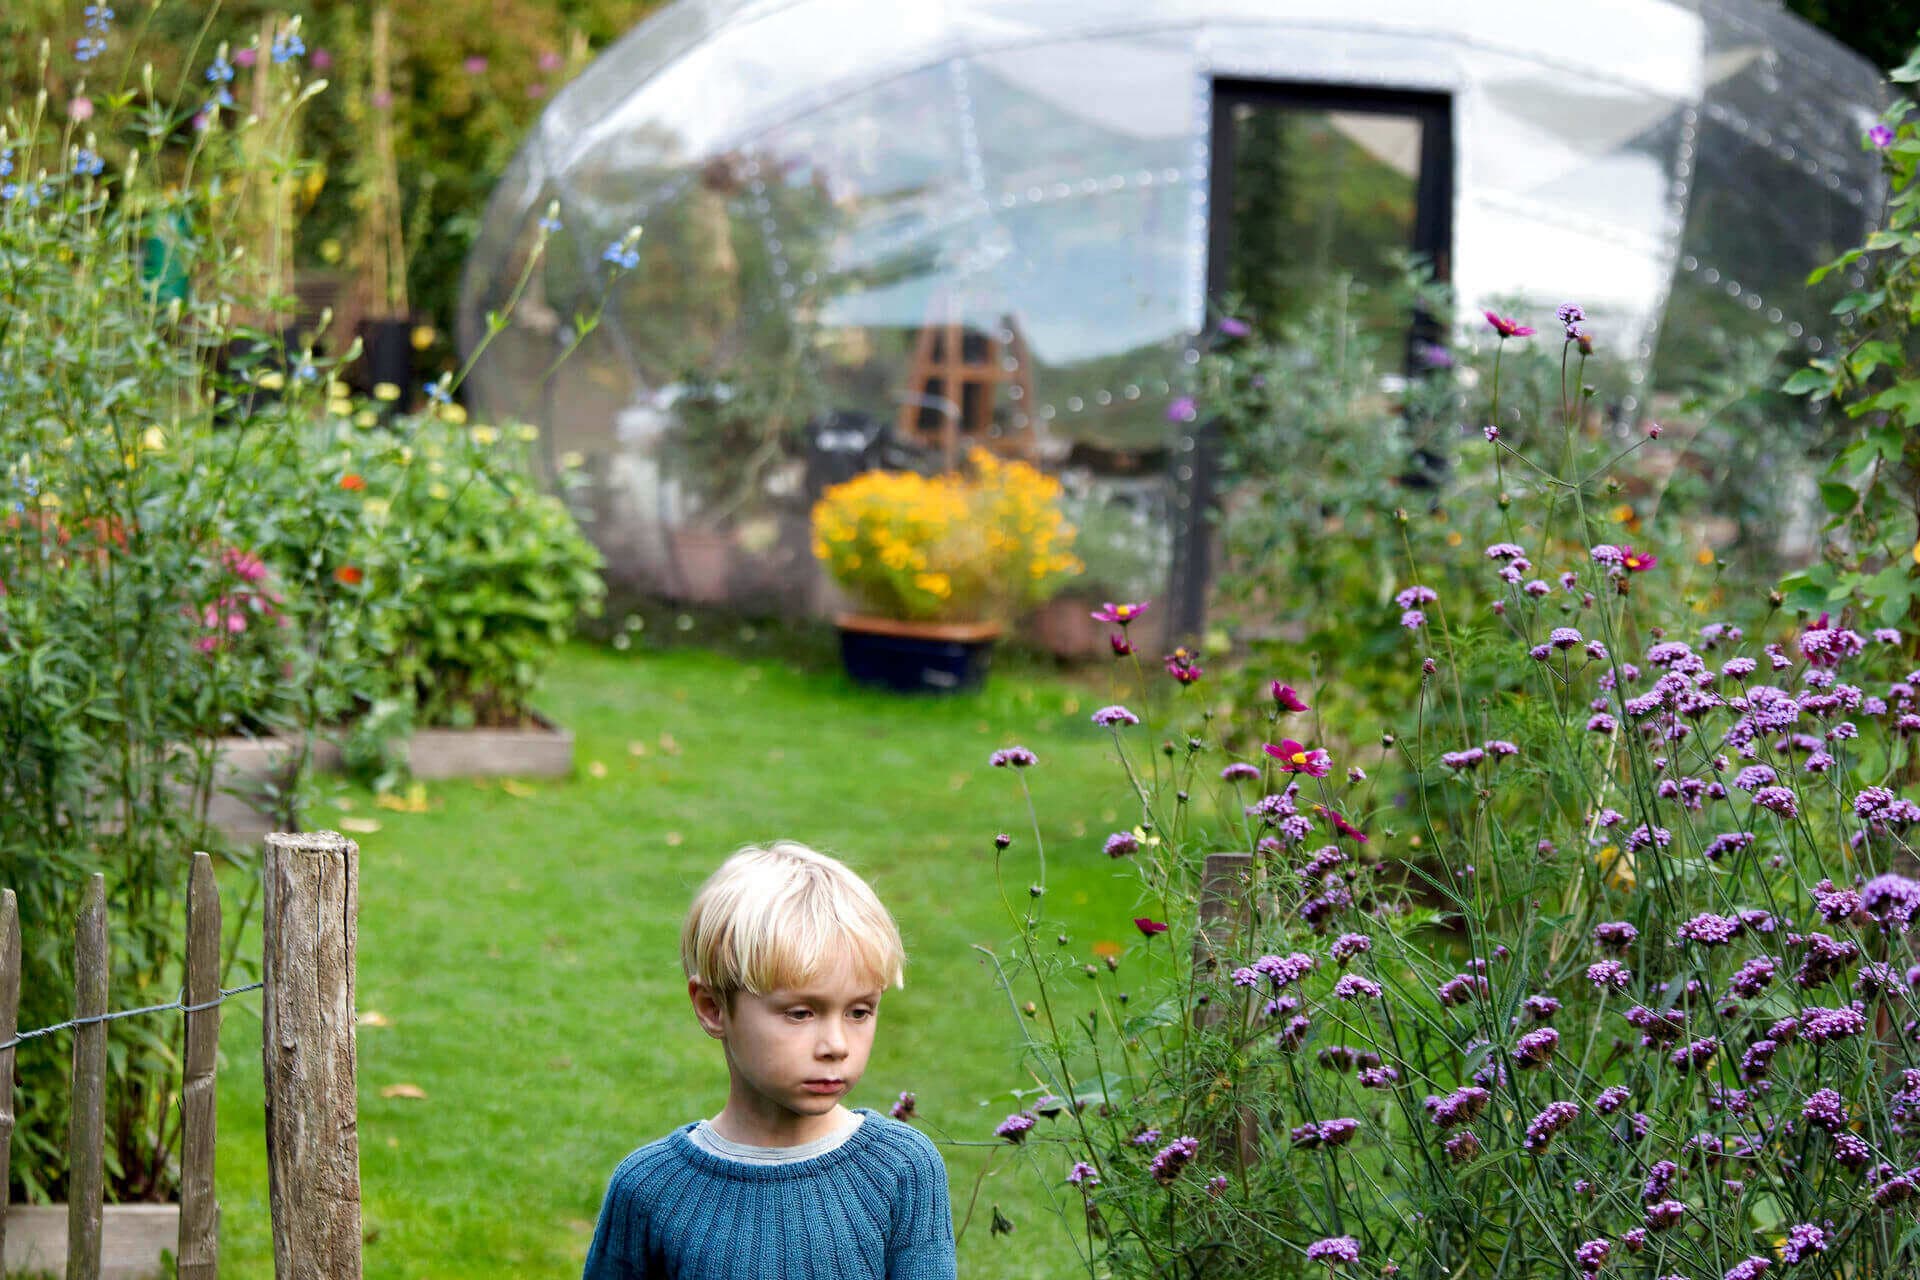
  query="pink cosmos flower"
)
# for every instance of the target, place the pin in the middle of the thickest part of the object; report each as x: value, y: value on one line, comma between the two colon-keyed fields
x: 1287, y: 699
x: 1508, y: 328
x: 1637, y: 561
x: 1120, y: 614
x: 80, y: 109
x: 1148, y: 927
x: 1296, y: 758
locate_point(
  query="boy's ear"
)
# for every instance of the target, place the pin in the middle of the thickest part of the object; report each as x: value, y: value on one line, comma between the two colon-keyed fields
x: 706, y: 1007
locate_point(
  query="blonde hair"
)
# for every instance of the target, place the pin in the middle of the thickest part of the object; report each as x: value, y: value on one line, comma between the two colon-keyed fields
x: 773, y: 918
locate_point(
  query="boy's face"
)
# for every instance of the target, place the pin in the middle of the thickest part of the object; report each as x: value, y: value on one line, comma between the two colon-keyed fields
x: 794, y: 1054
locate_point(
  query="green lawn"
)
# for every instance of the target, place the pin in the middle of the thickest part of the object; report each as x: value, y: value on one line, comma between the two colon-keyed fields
x: 520, y: 944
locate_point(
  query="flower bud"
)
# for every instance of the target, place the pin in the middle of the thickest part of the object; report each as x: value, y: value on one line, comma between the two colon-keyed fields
x: 1002, y: 840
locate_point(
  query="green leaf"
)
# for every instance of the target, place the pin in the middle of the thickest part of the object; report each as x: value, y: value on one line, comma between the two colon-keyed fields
x: 1807, y: 381
x: 1839, y: 498
x: 1902, y: 400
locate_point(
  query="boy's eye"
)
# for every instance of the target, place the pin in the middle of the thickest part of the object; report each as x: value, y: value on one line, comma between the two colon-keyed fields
x: 863, y: 1014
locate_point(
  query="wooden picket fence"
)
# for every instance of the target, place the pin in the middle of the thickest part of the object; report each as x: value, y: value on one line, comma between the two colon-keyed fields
x: 310, y: 927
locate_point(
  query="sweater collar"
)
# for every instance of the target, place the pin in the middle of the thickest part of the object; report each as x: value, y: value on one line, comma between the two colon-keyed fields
x: 863, y: 1136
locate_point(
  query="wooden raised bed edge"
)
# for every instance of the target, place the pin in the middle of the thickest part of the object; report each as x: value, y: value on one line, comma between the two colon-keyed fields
x: 133, y: 1236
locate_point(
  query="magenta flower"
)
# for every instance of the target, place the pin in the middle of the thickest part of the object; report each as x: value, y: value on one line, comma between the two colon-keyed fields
x: 1120, y: 646
x: 1017, y: 757
x: 1507, y: 328
x: 1637, y: 561
x: 1120, y: 614
x: 475, y: 65
x: 1881, y: 136
x: 1111, y: 717
x: 1287, y: 699
x: 1083, y: 1174
x: 1233, y: 327
x: 1182, y: 667
x: 1148, y: 927
x: 1183, y: 409
x: 1344, y: 827
x: 902, y: 1108
x: 1294, y: 757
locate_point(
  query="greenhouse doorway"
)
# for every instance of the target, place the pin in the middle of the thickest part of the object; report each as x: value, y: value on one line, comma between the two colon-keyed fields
x: 1308, y: 183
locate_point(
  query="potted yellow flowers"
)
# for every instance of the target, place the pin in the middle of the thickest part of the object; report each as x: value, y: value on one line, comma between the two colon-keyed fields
x: 938, y: 565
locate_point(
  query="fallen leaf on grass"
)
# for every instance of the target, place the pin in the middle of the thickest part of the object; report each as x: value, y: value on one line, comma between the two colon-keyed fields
x: 413, y: 800
x: 404, y: 1091
x: 360, y: 826
x: 372, y: 1018
x: 673, y: 839
x: 596, y: 769
x: 518, y: 790
x: 636, y: 748
x: 957, y: 781
x: 669, y: 745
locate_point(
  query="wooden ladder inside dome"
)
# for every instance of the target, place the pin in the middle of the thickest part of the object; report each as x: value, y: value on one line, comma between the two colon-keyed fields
x: 954, y: 383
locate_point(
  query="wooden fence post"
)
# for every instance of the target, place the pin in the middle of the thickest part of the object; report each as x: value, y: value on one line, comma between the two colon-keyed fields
x: 87, y: 1138
x: 9, y: 1025
x: 199, y: 1249
x: 1225, y: 895
x: 313, y: 1138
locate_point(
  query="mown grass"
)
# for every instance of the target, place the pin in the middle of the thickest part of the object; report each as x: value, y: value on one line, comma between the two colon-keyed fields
x: 518, y: 943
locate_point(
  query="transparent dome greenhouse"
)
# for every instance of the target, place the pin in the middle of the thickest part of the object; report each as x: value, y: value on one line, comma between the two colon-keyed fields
x: 877, y: 234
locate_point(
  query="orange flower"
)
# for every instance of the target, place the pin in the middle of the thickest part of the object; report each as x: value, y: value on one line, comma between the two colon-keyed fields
x: 352, y: 483
x: 347, y: 576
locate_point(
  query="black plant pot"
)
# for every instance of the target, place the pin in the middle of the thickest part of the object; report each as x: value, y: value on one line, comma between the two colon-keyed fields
x: 916, y: 657
x: 386, y: 355
x: 244, y: 360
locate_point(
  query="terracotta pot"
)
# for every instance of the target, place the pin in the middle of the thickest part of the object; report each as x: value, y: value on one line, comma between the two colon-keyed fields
x: 703, y: 562
x: 916, y: 657
x: 1065, y: 628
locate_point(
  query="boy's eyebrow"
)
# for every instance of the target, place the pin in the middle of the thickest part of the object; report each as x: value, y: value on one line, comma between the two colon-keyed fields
x: 818, y: 997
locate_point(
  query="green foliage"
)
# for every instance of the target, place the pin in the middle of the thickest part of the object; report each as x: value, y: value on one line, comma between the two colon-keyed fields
x: 180, y: 561
x: 137, y: 623
x: 1872, y: 486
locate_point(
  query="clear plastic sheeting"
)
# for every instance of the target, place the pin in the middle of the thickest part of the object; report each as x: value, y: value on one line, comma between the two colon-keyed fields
x: 829, y: 185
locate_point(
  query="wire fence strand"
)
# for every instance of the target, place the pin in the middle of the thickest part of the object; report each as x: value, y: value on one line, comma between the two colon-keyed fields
x: 179, y: 1003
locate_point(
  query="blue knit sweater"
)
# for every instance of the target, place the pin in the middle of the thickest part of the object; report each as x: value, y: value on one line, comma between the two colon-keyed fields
x: 873, y: 1208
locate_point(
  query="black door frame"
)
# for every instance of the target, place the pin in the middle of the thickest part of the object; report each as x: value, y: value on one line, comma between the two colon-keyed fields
x: 1432, y: 236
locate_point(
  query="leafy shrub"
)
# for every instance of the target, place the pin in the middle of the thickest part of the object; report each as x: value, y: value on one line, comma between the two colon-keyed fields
x: 494, y: 572
x: 972, y: 546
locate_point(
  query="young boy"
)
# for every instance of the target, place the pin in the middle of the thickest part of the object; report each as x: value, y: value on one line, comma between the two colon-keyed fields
x: 787, y: 953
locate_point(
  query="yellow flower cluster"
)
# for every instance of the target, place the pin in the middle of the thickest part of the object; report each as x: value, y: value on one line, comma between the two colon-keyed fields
x: 971, y: 546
